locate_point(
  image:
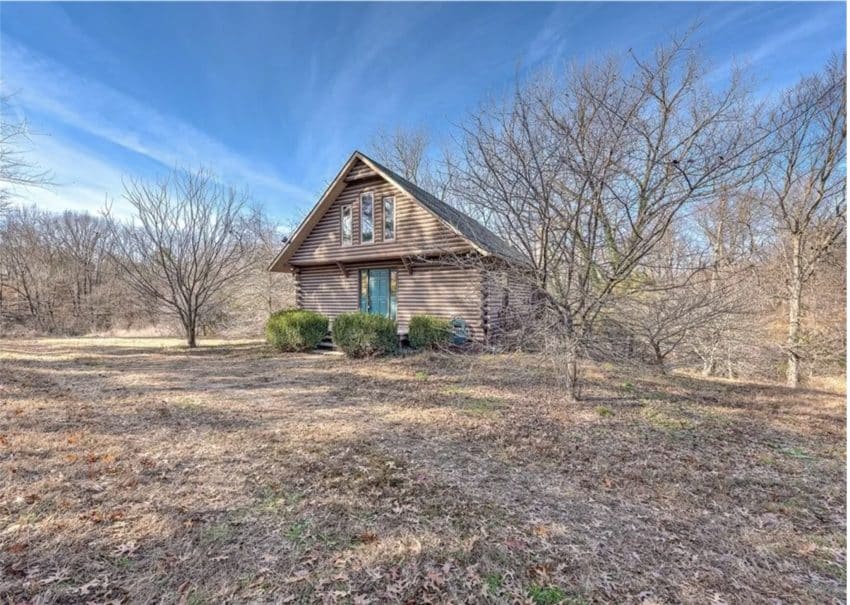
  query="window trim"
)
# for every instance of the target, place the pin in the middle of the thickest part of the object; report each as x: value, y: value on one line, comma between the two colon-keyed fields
x: 372, y: 240
x: 384, y: 200
x: 342, y: 210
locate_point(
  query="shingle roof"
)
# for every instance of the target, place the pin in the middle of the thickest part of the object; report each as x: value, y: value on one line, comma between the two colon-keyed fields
x: 464, y: 224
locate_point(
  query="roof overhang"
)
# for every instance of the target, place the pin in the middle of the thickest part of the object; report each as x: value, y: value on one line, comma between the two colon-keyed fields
x: 281, y: 261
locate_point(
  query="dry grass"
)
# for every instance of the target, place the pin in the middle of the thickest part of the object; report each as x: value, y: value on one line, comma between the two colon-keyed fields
x: 134, y: 470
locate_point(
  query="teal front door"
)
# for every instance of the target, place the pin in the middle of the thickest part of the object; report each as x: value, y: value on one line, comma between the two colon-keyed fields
x: 378, y: 291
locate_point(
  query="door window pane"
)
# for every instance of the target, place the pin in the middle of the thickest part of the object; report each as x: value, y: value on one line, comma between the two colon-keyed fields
x: 379, y: 289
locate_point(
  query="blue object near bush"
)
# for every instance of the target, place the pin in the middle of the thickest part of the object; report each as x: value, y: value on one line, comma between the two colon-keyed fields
x: 460, y: 331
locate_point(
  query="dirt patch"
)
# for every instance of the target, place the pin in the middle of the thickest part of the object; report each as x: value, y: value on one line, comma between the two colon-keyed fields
x: 140, y: 471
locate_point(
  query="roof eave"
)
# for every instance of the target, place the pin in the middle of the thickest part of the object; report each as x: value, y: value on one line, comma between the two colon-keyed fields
x: 300, y: 234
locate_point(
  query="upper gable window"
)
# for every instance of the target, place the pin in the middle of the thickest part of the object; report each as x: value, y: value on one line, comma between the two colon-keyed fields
x: 367, y: 211
x: 389, y: 218
x: 347, y: 224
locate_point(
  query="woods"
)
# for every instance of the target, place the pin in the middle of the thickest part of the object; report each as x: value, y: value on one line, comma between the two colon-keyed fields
x: 668, y: 220
x: 192, y: 260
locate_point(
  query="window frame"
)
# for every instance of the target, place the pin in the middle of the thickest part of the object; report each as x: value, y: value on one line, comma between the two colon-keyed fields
x: 384, y: 200
x: 342, y: 210
x: 371, y: 197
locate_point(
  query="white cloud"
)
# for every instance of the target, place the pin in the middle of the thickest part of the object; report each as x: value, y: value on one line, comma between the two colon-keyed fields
x: 549, y: 42
x: 79, y: 180
x: 770, y: 45
x: 336, y: 109
x: 44, y: 86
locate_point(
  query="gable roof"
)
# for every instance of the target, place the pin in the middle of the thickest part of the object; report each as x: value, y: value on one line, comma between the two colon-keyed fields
x: 479, y: 237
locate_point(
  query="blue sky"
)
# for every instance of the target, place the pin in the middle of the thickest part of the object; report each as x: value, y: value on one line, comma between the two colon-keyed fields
x: 276, y: 96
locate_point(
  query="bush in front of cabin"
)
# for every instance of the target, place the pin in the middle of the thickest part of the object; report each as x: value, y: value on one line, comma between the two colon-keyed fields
x: 296, y: 329
x: 363, y: 334
x: 429, y: 332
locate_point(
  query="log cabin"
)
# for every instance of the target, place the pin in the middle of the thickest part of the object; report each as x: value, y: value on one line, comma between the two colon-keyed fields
x: 377, y: 243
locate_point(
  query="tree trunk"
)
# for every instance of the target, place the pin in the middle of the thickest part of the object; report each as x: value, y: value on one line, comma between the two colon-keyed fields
x: 795, y: 290
x: 572, y: 376
x: 659, y: 358
x: 191, y: 333
x: 709, y: 365
x: 571, y: 368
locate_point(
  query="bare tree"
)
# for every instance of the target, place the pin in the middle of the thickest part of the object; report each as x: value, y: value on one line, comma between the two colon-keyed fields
x: 585, y: 174
x: 732, y: 229
x: 16, y: 169
x: 804, y: 184
x: 409, y: 153
x: 247, y: 301
x: 671, y: 296
x: 186, y: 244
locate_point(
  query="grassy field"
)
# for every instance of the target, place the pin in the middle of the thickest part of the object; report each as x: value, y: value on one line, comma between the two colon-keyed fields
x: 135, y: 470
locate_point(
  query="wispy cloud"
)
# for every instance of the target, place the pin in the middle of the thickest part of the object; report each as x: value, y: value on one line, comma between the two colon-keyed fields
x: 43, y: 86
x: 771, y: 45
x: 79, y: 181
x: 336, y: 107
x: 550, y: 41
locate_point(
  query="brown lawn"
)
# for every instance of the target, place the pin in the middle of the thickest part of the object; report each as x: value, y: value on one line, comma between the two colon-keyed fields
x: 135, y: 470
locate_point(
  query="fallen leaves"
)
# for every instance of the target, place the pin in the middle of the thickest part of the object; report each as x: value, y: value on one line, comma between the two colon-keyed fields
x: 251, y: 477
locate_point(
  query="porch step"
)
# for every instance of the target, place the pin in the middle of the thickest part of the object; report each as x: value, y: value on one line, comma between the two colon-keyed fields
x: 327, y: 343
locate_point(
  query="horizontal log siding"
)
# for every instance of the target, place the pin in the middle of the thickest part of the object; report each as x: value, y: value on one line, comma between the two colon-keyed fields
x: 418, y: 232
x: 326, y: 290
x: 491, y: 292
x: 445, y: 292
x: 496, y: 281
x: 359, y: 170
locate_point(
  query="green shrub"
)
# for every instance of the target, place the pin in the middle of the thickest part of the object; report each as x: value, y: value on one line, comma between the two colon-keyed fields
x: 427, y: 331
x: 296, y: 329
x: 548, y: 595
x: 364, y: 334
